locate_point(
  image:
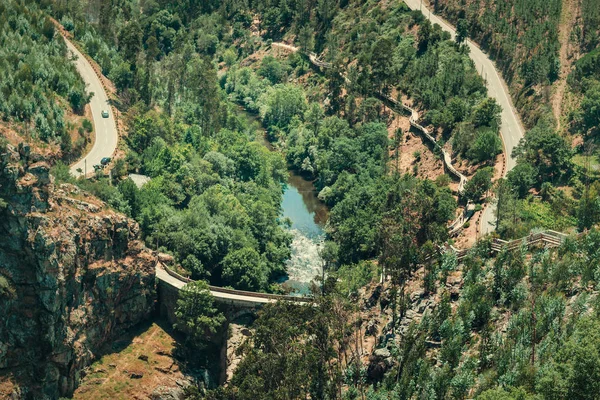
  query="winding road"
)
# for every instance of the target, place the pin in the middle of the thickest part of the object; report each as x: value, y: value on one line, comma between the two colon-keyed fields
x: 512, y: 130
x: 105, y: 128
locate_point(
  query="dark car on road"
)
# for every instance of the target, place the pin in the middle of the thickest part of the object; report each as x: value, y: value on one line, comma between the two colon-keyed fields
x: 105, y: 161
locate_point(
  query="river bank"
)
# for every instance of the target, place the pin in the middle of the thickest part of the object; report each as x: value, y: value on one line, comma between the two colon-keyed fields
x: 307, y: 215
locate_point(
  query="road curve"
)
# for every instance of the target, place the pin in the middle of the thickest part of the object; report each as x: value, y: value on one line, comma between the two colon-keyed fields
x: 105, y: 128
x: 512, y: 130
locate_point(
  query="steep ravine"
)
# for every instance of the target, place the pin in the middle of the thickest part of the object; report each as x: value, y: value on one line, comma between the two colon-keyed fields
x: 73, y: 276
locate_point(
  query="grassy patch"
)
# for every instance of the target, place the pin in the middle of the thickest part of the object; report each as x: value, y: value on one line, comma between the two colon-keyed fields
x: 114, y: 380
x: 592, y: 161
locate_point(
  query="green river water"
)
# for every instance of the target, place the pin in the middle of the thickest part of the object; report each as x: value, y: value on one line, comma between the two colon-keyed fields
x: 308, y: 216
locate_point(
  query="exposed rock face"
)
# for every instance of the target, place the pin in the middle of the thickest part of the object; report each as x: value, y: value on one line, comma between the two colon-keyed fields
x: 75, y: 276
x: 238, y: 333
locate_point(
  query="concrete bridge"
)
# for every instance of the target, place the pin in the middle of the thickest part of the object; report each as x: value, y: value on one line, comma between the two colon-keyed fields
x: 170, y: 283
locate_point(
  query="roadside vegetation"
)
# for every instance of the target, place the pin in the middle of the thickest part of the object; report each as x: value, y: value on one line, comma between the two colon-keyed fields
x: 41, y: 94
x: 523, y: 40
x: 554, y: 184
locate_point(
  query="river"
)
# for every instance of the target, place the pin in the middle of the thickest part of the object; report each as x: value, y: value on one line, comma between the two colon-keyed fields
x: 308, y: 216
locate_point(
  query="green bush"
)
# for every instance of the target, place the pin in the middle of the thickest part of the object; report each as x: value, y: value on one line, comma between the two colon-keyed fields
x: 61, y: 173
x: 355, y: 276
x: 87, y: 125
x: 486, y: 147
x: 6, y: 290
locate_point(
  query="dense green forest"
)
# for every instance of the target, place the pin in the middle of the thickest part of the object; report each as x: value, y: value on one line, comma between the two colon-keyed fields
x: 522, y: 37
x: 215, y: 193
x: 204, y: 160
x: 213, y: 201
x: 525, y: 327
x: 585, y: 79
x: 522, y: 325
x: 589, y: 31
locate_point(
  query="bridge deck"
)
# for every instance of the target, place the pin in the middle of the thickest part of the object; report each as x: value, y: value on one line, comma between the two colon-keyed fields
x: 222, y: 296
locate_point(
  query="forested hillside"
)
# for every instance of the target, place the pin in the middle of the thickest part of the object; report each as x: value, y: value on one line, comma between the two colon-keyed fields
x: 184, y: 133
x: 215, y: 193
x: 190, y: 76
x: 522, y: 37
x: 521, y: 325
x: 547, y: 53
x: 538, y: 46
x: 41, y: 94
x: 531, y: 41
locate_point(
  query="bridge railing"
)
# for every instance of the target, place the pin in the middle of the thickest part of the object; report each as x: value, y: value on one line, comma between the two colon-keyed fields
x: 257, y: 295
x: 175, y: 274
x: 262, y: 295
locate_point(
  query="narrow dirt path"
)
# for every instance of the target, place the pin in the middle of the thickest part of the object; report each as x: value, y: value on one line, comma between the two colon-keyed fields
x: 570, y: 11
x: 285, y: 46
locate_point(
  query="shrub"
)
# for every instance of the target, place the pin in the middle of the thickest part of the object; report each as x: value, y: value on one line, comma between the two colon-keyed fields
x: 67, y: 23
x: 442, y: 180
x: 6, y: 290
x: 486, y: 147
x: 87, y: 125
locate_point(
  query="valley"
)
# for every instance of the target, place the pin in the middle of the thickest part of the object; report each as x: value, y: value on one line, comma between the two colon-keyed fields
x: 332, y: 199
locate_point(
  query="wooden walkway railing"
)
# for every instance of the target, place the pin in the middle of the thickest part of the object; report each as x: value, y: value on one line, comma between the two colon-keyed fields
x: 549, y: 238
x: 413, y: 119
x: 456, y: 226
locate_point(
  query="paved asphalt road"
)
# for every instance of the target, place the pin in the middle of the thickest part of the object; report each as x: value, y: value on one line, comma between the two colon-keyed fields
x: 105, y: 128
x: 512, y: 131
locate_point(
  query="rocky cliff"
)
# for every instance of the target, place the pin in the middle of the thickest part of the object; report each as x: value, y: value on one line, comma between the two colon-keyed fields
x: 73, y: 276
